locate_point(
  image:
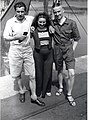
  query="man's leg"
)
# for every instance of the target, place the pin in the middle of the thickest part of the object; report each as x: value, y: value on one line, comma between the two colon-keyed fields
x: 58, y: 56
x: 21, y: 89
x: 60, y: 78
x: 60, y: 81
x: 34, y: 98
x: 29, y: 68
x: 70, y: 83
x: 32, y: 84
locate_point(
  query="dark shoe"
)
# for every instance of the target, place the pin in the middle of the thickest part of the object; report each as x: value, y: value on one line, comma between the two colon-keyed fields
x: 43, y: 96
x: 22, y: 98
x: 38, y: 102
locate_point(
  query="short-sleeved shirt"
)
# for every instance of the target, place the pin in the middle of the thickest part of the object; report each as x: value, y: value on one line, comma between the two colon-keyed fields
x: 20, y: 54
x: 13, y: 26
x: 63, y: 49
x: 65, y: 32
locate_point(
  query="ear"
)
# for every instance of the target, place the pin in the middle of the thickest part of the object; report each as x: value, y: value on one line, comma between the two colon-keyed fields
x: 63, y: 10
x: 52, y: 15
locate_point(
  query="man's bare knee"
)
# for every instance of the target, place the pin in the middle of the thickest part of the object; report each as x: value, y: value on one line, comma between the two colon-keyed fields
x: 71, y: 73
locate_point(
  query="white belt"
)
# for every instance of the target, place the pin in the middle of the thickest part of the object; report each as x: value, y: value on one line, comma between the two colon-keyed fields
x: 44, y: 42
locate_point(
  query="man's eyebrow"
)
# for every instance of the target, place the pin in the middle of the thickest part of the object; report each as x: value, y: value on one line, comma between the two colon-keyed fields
x: 19, y: 11
x: 57, y: 11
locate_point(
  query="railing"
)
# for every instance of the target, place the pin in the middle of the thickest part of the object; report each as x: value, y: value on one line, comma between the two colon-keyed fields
x: 4, y: 5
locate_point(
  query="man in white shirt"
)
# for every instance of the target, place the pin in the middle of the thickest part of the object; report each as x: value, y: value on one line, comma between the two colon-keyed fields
x: 17, y: 31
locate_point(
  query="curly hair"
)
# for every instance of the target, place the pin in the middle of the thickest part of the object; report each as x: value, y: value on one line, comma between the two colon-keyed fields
x: 41, y: 15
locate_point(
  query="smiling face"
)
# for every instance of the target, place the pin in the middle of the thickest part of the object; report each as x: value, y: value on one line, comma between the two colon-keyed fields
x: 41, y: 22
x: 58, y: 12
x: 20, y: 13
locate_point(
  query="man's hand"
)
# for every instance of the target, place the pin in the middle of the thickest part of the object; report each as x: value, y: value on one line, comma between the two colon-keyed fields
x: 20, y: 37
x: 74, y: 45
x: 51, y: 29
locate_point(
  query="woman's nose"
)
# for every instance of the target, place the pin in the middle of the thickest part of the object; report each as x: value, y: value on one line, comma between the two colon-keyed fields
x: 42, y: 23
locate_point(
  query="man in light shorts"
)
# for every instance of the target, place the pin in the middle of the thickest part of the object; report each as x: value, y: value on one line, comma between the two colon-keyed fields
x: 17, y: 31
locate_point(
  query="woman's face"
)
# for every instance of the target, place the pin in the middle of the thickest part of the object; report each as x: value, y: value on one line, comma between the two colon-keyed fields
x: 41, y: 22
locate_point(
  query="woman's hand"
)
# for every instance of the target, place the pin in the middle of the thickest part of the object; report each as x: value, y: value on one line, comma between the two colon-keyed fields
x: 32, y: 29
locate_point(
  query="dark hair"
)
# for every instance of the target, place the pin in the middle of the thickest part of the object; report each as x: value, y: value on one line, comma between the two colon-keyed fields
x: 41, y: 15
x: 19, y: 4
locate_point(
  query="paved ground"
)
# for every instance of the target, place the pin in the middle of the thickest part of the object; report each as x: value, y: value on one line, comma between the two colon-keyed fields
x: 57, y: 108
x: 65, y: 112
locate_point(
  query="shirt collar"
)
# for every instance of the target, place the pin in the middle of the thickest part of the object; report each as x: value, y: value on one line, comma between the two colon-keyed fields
x: 64, y: 20
x: 17, y: 20
x: 67, y: 20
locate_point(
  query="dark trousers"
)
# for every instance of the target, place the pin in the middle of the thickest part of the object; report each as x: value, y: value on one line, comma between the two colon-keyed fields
x: 43, y: 70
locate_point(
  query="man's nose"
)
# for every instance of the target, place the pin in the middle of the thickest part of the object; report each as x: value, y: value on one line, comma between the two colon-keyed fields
x: 20, y: 13
x: 57, y: 13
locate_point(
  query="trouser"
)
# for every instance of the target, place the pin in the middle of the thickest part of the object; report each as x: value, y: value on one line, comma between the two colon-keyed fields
x: 43, y: 70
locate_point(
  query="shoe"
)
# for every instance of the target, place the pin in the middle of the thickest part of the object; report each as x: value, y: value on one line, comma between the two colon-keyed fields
x: 71, y: 100
x: 43, y: 96
x: 22, y: 98
x: 38, y: 102
x: 48, y: 94
x: 59, y: 92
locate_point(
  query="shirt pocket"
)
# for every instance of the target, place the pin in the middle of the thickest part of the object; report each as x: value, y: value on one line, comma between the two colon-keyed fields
x: 68, y: 33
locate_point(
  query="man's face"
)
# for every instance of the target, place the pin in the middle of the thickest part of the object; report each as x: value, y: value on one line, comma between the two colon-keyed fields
x: 41, y: 22
x: 58, y: 12
x: 20, y: 12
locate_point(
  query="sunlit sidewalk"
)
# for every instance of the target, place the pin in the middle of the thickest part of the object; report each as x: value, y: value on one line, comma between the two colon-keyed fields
x: 7, y: 83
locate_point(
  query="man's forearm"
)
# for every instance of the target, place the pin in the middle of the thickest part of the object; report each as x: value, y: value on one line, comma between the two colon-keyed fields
x: 10, y: 38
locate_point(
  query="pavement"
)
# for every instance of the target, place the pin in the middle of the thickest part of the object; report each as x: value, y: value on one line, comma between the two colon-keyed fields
x: 57, y: 108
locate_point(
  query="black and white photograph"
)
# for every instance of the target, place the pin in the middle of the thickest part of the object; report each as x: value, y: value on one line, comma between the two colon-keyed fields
x: 43, y: 59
